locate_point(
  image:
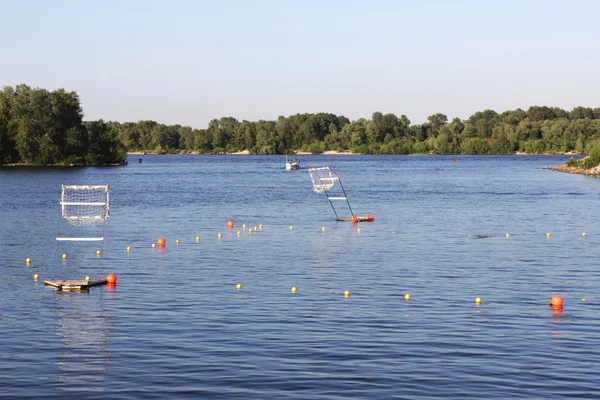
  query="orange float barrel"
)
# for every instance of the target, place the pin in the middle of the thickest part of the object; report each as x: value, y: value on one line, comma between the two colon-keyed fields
x: 111, y: 278
x: 230, y: 224
x: 556, y: 302
x: 162, y: 242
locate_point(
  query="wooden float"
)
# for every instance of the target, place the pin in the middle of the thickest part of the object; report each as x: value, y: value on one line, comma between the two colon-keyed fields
x: 75, y: 285
x: 358, y: 218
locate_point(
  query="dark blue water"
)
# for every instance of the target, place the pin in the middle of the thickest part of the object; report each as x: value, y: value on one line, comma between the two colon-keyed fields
x: 175, y: 326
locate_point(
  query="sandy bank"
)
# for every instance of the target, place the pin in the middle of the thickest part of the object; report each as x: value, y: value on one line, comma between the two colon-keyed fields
x: 241, y: 153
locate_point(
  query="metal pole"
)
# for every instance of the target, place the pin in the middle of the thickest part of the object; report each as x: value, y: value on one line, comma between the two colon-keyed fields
x: 347, y: 201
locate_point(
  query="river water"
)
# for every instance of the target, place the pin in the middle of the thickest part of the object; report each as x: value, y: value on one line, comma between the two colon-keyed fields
x: 176, y: 326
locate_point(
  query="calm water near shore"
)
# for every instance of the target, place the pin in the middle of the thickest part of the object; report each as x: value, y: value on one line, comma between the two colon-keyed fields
x: 175, y: 326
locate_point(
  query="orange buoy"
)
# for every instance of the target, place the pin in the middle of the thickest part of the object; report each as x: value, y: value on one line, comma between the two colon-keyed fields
x: 230, y: 224
x: 111, y: 278
x: 354, y: 218
x: 162, y: 242
x: 557, y: 301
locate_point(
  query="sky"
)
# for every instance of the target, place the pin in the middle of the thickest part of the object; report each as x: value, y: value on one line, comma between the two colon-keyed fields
x: 187, y: 62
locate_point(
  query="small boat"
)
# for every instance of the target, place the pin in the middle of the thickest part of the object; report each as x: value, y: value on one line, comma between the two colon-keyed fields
x: 291, y: 164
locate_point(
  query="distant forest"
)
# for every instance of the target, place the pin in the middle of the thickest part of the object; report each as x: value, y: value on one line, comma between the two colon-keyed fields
x: 42, y: 127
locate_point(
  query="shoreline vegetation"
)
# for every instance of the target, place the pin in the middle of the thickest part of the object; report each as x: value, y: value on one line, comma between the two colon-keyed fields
x: 43, y: 128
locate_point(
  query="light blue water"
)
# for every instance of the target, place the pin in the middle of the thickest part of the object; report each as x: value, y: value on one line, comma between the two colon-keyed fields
x: 177, y: 327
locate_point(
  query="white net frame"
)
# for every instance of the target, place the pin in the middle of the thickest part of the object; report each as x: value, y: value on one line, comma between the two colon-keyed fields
x: 323, y: 179
x: 85, y: 205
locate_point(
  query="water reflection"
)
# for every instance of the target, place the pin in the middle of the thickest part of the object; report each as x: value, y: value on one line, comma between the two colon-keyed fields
x: 86, y: 329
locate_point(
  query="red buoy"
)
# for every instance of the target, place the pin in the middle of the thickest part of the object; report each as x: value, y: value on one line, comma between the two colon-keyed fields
x: 230, y: 224
x: 162, y: 242
x: 111, y: 278
x: 557, y: 301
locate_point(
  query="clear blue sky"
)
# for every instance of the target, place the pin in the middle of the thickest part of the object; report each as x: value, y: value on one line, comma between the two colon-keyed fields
x: 186, y: 62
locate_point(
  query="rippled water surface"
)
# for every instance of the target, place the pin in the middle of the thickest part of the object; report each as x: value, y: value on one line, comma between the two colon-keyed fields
x: 176, y: 326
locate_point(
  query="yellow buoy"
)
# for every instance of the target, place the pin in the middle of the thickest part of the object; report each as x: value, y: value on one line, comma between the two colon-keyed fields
x: 478, y: 301
x: 239, y: 286
x: 583, y: 299
x: 219, y: 236
x: 36, y: 277
x: 177, y: 241
x: 28, y: 261
x: 153, y: 245
x: 358, y: 230
x: 548, y: 234
x: 323, y: 229
x: 291, y: 227
x: 197, y: 238
x: 507, y: 235
x: 294, y: 289
x: 64, y: 255
x: 260, y: 226
x: 255, y: 228
x: 128, y: 248
x: 393, y: 232
x: 98, y: 252
x: 407, y: 297
x: 250, y: 230
x: 239, y: 233
x: 347, y: 293
x: 87, y: 278
x: 244, y: 226
x: 583, y: 234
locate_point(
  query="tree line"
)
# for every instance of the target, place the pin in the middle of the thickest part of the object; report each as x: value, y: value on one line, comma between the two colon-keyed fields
x: 537, y: 130
x: 42, y: 127
x: 39, y: 127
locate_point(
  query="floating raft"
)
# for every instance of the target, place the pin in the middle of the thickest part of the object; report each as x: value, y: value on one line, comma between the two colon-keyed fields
x: 358, y: 218
x: 72, y: 285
